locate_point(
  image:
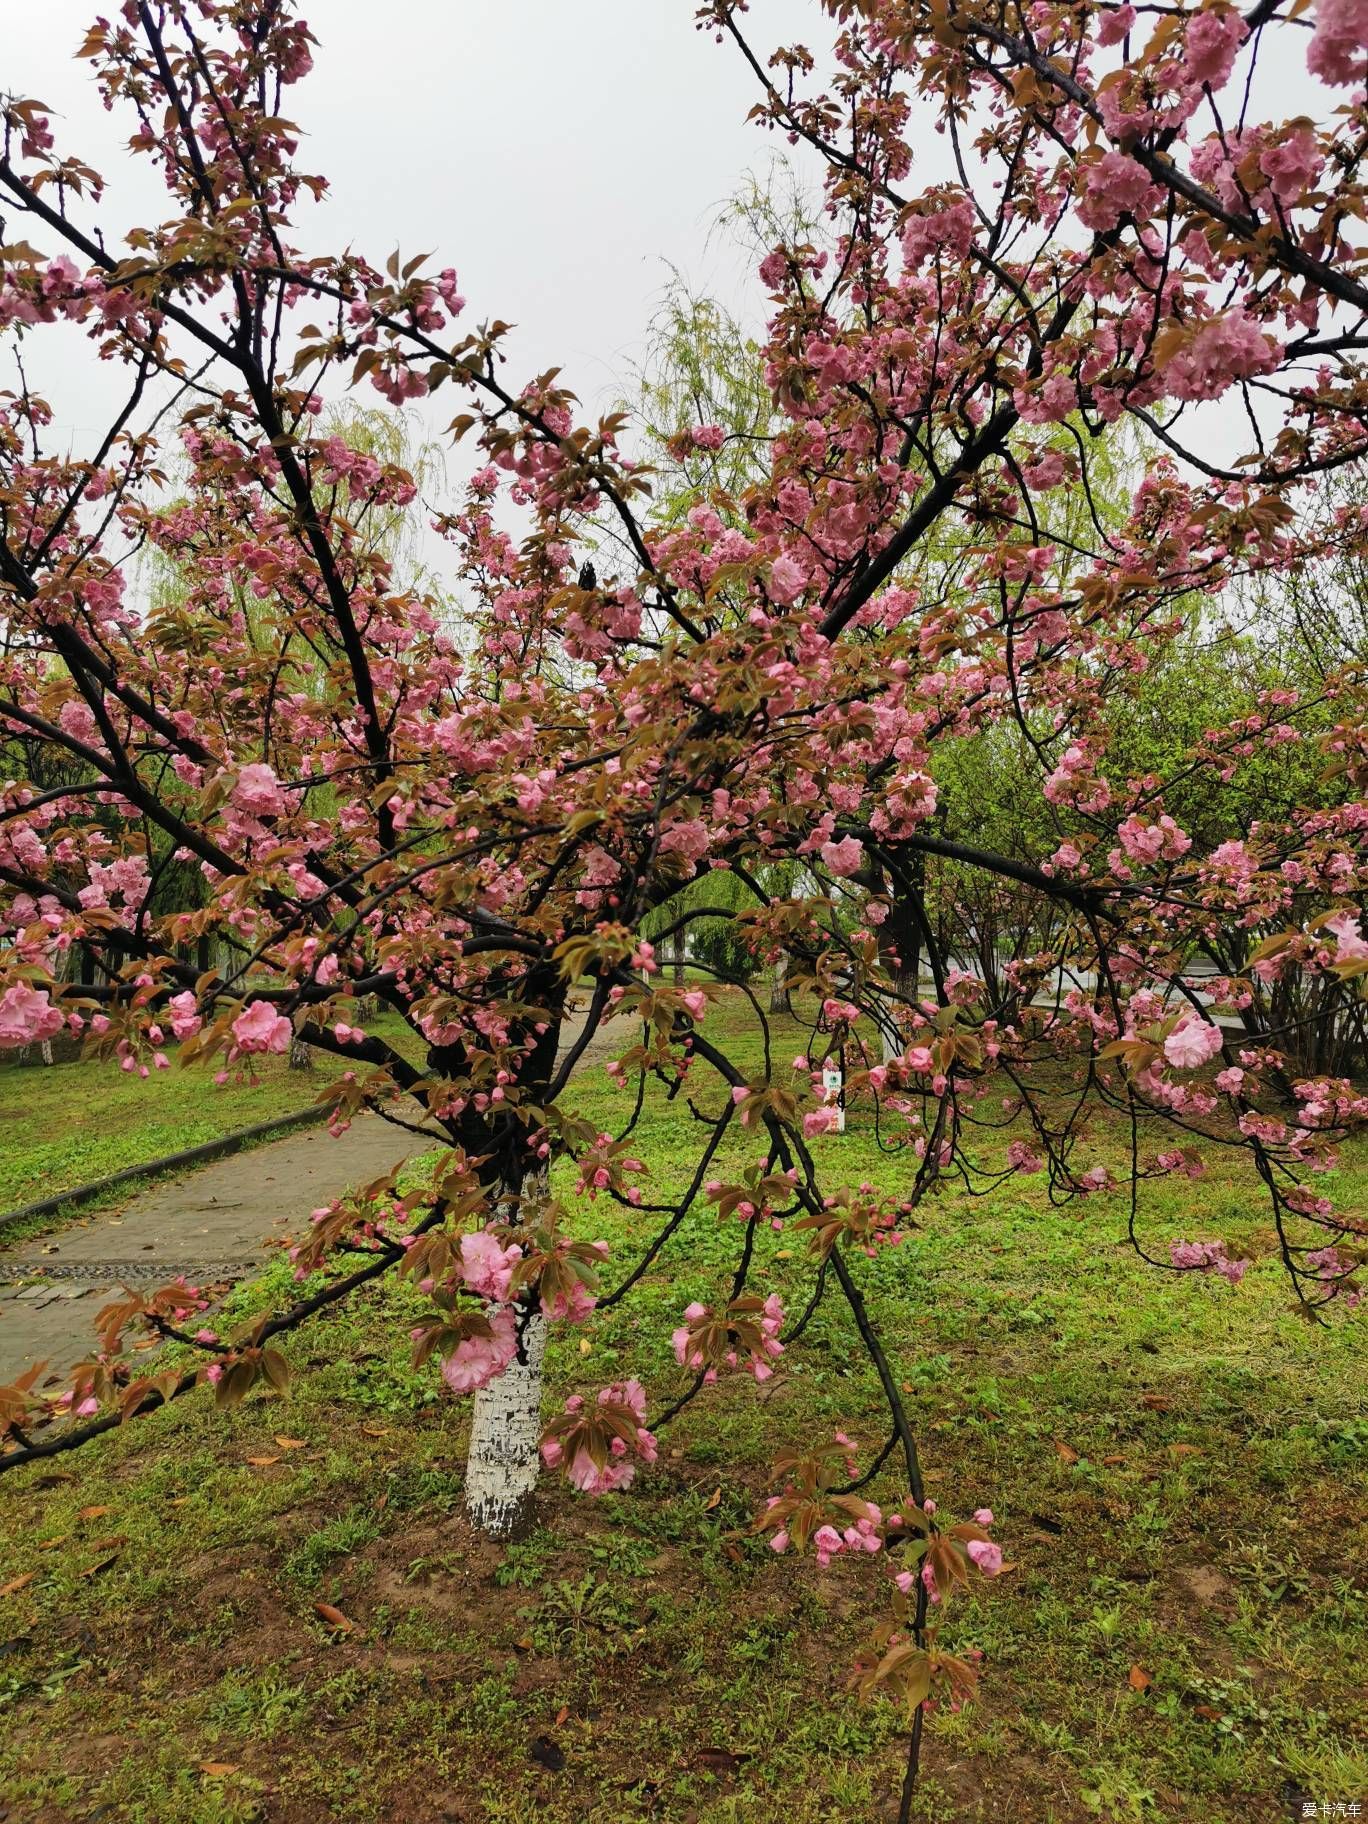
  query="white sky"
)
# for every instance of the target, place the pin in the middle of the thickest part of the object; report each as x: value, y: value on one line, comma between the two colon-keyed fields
x: 556, y: 154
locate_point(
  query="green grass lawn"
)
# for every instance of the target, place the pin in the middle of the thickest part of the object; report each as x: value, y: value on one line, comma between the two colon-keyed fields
x: 64, y: 1124
x: 1177, y: 1468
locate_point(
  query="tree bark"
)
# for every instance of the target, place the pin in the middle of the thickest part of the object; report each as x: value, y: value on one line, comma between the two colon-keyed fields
x: 504, y: 1458
x: 900, y: 948
x: 779, y: 1001
x: 505, y: 1434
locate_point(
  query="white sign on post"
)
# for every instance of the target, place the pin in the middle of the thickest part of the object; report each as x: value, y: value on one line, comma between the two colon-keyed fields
x: 833, y: 1083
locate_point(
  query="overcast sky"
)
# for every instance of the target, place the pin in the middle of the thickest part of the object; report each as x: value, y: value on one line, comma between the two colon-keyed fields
x: 556, y: 153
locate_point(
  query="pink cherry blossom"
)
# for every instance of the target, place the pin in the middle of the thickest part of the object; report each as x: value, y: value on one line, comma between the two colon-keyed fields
x: 27, y: 1016
x: 477, y: 1360
x: 260, y: 1028
x: 1192, y: 1043
x: 1338, y: 52
x: 185, y: 1020
x: 844, y: 857
x: 487, y: 1265
x: 258, y: 790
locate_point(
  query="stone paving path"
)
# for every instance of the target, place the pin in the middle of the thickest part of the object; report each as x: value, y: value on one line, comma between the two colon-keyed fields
x: 215, y: 1223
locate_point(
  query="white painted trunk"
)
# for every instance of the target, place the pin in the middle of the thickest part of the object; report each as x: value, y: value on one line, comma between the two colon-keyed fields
x: 501, y: 1470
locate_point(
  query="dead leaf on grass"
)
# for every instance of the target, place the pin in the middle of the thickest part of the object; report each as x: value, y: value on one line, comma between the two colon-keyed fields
x: 335, y: 1618
x: 1138, y: 1679
x: 219, y: 1770
x: 1065, y: 1452
x: 721, y: 1760
x: 292, y: 1443
x: 16, y: 1584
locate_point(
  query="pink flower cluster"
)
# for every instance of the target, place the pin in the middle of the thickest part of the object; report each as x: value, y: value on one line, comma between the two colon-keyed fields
x: 477, y: 1360
x: 1225, y: 349
x: 1207, y: 1257
x: 27, y: 1016
x: 487, y: 1266
x: 621, y: 1469
x: 1192, y: 1043
x: 1151, y: 842
x: 1339, y: 45
x: 260, y: 1028
x: 258, y: 791
x: 768, y: 1349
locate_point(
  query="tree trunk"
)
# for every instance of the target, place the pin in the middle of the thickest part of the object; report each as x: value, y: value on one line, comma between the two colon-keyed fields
x: 505, y: 1431
x: 505, y: 1434
x: 301, y: 1055
x: 900, y: 950
x: 678, y: 960
x: 779, y: 1001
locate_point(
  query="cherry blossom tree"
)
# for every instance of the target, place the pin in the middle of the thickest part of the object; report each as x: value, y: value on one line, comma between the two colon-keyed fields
x: 468, y: 822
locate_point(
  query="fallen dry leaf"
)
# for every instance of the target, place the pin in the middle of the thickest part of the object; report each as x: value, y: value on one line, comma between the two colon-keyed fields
x: 376, y: 1431
x: 1065, y: 1452
x: 585, y: 1345
x: 334, y: 1618
x: 1156, y: 1402
x: 262, y: 1462
x: 219, y: 1770
x: 111, y: 1544
x: 562, y: 1716
x: 1111, y: 1462
x: 712, y: 1500
x: 50, y: 1545
x: 17, y: 1583
x: 93, y: 1513
x: 1185, y: 1450
x: 292, y: 1443
x: 1138, y: 1679
x: 721, y: 1760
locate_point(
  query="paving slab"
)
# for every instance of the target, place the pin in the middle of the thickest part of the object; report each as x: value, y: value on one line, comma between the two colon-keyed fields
x: 215, y: 1224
